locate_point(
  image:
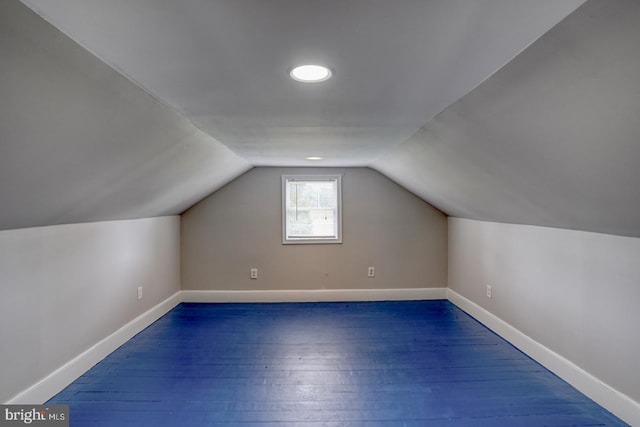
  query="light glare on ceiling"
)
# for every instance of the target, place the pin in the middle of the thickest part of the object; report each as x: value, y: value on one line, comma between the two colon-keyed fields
x: 310, y: 73
x: 314, y: 158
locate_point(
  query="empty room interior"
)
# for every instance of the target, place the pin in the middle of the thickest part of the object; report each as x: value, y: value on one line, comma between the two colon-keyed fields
x: 435, y: 222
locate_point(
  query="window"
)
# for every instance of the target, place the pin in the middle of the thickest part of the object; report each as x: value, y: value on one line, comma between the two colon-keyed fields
x: 311, y: 209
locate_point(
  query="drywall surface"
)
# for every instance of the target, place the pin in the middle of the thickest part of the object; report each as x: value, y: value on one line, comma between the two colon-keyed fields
x: 551, y: 139
x: 239, y: 227
x: 223, y: 64
x: 576, y: 293
x: 64, y: 288
x: 81, y: 143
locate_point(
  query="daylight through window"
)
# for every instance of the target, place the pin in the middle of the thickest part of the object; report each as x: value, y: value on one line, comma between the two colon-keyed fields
x: 311, y: 209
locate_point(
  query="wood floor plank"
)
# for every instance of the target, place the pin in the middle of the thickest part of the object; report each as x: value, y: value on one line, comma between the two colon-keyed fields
x: 410, y: 363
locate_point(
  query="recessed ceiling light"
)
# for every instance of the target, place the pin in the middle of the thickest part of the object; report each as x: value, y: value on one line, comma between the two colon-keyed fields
x: 314, y: 158
x: 310, y: 73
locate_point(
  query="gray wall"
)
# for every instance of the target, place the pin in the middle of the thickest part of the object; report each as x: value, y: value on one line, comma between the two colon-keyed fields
x: 574, y: 292
x: 239, y: 227
x: 65, y: 288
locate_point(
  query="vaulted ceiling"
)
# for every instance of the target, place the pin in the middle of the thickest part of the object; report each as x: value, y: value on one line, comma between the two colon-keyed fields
x: 522, y: 111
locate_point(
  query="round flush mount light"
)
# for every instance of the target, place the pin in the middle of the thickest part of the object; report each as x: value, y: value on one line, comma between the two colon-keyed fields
x: 310, y: 73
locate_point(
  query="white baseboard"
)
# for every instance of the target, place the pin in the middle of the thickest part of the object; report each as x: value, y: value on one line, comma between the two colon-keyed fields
x: 611, y: 399
x: 55, y: 382
x: 615, y: 402
x: 320, y: 295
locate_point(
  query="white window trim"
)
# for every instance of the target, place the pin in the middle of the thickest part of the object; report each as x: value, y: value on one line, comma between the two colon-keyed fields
x: 306, y: 241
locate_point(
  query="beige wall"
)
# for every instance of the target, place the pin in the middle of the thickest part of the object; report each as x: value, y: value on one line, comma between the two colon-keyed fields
x: 66, y: 287
x: 240, y: 227
x: 574, y: 292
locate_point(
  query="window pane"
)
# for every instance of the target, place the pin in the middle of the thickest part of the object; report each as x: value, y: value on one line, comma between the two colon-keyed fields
x: 311, y: 208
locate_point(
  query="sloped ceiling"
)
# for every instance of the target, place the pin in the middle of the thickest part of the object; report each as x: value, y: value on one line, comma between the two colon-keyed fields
x: 551, y: 139
x: 79, y: 142
x: 224, y: 64
x: 201, y: 94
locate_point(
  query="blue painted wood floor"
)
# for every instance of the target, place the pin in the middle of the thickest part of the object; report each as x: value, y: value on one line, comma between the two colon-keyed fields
x: 410, y: 363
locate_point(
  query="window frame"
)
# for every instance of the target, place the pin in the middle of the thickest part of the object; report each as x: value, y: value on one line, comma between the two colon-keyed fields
x: 286, y: 240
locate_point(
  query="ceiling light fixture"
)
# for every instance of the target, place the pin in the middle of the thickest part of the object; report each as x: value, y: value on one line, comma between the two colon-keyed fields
x: 310, y: 73
x: 314, y: 158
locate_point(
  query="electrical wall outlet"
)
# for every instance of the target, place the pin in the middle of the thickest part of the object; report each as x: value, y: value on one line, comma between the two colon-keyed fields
x: 254, y: 273
x: 489, y: 291
x: 371, y: 272
x: 139, y: 292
